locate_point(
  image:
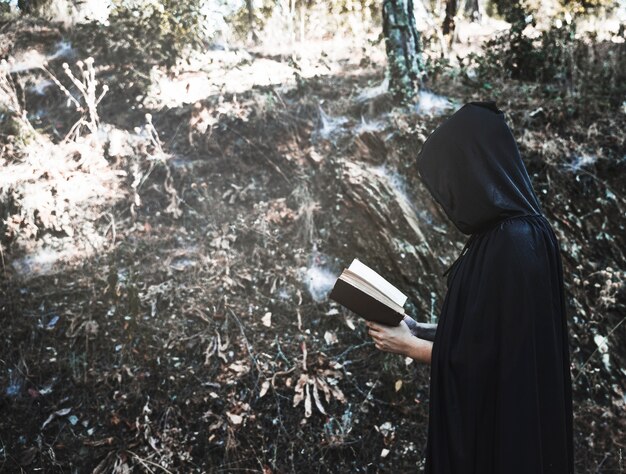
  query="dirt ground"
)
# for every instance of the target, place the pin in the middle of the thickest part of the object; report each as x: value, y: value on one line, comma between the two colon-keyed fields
x: 177, y: 319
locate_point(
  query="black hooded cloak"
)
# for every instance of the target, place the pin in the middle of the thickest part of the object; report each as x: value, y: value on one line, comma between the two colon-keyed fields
x: 500, y: 386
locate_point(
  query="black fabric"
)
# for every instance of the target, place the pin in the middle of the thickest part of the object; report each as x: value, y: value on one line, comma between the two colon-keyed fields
x: 472, y: 167
x: 500, y: 386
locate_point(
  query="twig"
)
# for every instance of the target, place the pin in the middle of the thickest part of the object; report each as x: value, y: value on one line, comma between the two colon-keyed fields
x: 351, y: 348
x: 4, y: 269
x: 374, y: 385
x: 281, y: 354
x: 618, y: 196
x: 64, y: 89
x: 143, y: 461
x: 248, y: 345
x: 606, y: 455
x: 283, y: 372
x: 582, y: 368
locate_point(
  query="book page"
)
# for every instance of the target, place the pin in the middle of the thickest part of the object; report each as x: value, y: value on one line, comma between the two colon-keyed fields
x: 378, y: 282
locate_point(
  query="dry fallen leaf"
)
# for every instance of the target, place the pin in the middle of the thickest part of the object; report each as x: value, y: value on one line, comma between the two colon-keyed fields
x: 350, y: 323
x: 330, y: 337
x: 299, y: 389
x: 239, y: 367
x: 264, y: 388
x: 398, y: 385
x: 235, y: 419
x: 58, y: 413
x: 316, y: 397
x: 308, y: 409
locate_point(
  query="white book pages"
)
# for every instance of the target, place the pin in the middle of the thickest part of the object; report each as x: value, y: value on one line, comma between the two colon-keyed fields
x: 378, y: 282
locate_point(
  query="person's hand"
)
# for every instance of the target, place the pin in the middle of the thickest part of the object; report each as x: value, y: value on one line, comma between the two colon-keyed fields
x: 396, y: 339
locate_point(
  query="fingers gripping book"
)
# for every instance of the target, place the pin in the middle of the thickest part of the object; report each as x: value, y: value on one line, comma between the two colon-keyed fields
x: 369, y: 295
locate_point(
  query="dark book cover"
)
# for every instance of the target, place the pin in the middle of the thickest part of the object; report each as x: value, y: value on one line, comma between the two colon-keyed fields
x: 363, y: 304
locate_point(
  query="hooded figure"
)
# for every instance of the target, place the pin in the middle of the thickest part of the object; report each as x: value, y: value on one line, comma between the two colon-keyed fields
x: 500, y: 386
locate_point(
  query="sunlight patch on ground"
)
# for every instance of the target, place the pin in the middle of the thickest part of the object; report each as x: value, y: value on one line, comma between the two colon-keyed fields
x: 223, y: 71
x: 45, y: 261
x: 234, y: 71
x: 229, y: 72
x: 39, y: 263
x: 469, y: 31
x: 186, y: 88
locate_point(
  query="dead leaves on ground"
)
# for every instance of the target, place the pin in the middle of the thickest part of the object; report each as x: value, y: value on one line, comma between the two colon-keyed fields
x: 216, y: 347
x: 309, y: 386
x: 315, y: 380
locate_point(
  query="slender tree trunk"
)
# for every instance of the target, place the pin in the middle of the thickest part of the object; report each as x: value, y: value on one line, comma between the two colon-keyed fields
x: 402, y: 43
x: 473, y: 10
x: 252, y: 35
x: 448, y: 21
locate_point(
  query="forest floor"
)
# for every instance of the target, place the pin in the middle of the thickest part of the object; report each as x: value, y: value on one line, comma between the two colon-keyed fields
x: 165, y: 279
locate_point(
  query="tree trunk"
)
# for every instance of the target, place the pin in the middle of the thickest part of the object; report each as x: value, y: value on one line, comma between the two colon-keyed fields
x: 473, y: 11
x: 448, y: 21
x: 402, y: 43
x: 252, y: 35
x: 510, y: 10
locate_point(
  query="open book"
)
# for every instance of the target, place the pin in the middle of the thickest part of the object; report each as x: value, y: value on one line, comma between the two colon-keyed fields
x: 362, y: 290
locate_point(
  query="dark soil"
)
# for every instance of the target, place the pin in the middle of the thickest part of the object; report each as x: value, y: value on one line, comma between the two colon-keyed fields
x: 155, y: 351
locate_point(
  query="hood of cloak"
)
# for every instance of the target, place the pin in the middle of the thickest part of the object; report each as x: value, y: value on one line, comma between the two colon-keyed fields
x: 472, y: 167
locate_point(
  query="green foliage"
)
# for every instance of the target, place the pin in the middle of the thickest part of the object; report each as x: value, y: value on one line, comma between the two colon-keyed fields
x: 436, y: 67
x: 589, y: 6
x: 567, y: 64
x: 512, y: 11
x: 141, y: 34
x: 161, y: 29
x: 516, y: 55
x: 32, y: 6
x: 12, y: 129
x: 5, y: 8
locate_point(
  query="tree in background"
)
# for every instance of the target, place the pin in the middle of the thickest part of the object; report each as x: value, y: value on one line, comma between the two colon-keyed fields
x: 402, y: 43
x: 448, y: 21
x: 470, y: 8
x: 473, y: 10
x: 31, y: 6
